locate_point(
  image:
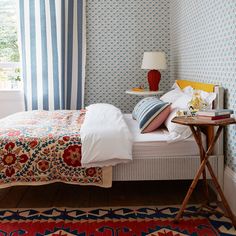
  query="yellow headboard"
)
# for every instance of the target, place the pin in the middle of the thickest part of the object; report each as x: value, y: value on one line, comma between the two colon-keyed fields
x: 196, y: 85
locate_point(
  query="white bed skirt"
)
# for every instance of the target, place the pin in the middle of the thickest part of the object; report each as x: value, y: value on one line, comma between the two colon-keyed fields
x: 165, y: 168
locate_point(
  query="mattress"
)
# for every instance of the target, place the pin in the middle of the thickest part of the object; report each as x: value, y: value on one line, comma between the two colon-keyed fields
x: 157, y: 144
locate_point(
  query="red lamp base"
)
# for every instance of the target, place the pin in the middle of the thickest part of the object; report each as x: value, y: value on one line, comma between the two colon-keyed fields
x: 154, y: 77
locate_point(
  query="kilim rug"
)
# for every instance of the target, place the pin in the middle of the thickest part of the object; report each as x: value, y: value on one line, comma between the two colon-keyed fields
x: 127, y: 221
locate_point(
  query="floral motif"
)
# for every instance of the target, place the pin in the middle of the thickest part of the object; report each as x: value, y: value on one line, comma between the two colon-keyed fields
x: 66, y: 138
x: 23, y: 158
x: 11, y: 158
x: 46, y: 151
x: 41, y: 146
x: 33, y: 143
x: 43, y: 165
x: 91, y: 171
x: 10, y: 171
x: 72, y: 155
x: 61, y: 142
x: 9, y: 146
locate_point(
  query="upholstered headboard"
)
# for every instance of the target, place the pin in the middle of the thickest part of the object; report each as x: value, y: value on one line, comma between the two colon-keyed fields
x: 196, y: 85
x: 218, y: 103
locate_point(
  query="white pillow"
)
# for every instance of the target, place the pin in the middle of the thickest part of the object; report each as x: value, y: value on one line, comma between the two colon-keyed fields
x: 104, y: 106
x: 179, y: 132
x: 182, y: 102
x: 172, y: 95
x: 176, y: 132
x: 179, y: 101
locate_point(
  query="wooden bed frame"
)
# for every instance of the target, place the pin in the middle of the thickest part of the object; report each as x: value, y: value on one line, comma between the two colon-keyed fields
x: 160, y: 167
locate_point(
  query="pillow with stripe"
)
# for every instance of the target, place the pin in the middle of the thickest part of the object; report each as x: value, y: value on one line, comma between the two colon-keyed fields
x: 150, y: 113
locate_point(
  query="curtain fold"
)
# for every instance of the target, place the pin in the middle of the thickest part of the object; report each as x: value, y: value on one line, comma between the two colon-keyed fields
x: 52, y: 43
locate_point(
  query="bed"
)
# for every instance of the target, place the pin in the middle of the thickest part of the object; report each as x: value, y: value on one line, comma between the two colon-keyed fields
x: 43, y: 147
x: 156, y: 159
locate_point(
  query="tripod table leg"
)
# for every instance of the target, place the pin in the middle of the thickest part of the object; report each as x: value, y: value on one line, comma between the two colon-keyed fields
x: 190, y: 190
x: 200, y: 170
x: 202, y: 155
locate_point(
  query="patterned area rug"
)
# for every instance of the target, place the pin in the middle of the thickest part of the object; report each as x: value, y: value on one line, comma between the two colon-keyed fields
x: 151, y: 221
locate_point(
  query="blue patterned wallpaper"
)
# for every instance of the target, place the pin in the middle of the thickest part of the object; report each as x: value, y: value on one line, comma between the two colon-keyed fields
x: 199, y: 38
x: 118, y: 32
x: 203, y: 48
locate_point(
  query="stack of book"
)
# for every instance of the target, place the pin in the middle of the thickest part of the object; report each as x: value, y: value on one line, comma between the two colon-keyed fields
x: 215, y: 114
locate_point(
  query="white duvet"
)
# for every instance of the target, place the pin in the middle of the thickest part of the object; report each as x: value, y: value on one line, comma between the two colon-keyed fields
x: 105, y: 136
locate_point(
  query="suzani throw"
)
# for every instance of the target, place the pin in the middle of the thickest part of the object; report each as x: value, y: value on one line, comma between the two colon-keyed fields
x: 40, y: 147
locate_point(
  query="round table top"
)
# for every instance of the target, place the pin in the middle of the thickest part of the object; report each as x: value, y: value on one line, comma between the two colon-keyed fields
x: 193, y: 120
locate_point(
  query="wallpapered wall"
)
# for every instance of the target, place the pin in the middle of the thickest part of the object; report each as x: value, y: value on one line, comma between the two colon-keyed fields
x: 118, y: 32
x: 203, y: 42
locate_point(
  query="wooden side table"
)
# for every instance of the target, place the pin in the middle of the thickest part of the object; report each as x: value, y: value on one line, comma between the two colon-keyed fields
x: 197, y: 126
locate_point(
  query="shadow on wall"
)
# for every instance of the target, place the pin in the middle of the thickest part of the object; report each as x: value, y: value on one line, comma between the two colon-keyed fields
x: 11, y: 102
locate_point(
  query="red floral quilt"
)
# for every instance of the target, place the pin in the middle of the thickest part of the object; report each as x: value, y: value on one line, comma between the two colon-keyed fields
x: 40, y: 147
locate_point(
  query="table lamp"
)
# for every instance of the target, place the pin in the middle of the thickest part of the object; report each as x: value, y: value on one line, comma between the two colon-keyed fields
x: 154, y: 61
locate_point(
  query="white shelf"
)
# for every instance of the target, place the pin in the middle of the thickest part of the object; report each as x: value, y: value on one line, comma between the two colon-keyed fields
x: 144, y: 92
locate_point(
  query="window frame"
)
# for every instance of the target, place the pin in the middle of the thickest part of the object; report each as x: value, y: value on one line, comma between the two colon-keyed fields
x: 11, y: 65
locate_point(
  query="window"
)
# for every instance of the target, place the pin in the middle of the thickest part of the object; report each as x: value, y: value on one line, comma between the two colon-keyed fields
x: 9, y: 51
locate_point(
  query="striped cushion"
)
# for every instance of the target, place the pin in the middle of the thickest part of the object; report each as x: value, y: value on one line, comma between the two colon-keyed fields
x: 147, y: 111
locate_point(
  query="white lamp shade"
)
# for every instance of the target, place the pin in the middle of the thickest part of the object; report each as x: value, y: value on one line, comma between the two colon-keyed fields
x: 154, y: 61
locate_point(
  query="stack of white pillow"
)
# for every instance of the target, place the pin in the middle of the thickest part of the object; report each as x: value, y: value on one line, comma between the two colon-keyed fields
x: 179, y: 100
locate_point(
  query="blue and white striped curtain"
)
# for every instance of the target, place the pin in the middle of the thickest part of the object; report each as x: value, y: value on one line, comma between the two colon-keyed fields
x: 52, y: 42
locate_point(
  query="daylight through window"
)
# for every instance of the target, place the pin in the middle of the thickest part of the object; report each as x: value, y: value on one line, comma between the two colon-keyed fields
x: 9, y: 51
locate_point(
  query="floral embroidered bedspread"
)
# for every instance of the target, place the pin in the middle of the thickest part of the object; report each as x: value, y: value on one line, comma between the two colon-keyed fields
x: 40, y: 147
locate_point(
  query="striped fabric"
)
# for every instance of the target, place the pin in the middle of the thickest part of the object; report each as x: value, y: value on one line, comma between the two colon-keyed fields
x: 147, y: 110
x: 52, y: 42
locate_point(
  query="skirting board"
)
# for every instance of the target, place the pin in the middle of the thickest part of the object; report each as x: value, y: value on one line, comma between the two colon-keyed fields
x: 230, y: 188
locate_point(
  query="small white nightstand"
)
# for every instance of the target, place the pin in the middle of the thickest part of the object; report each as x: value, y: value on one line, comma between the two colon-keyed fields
x: 144, y: 92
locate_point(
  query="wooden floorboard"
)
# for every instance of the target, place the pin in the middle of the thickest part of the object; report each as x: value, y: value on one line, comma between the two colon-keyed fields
x: 13, y: 197
x: 39, y: 196
x: 121, y: 194
x: 99, y: 197
x: 72, y: 196
x: 3, y: 193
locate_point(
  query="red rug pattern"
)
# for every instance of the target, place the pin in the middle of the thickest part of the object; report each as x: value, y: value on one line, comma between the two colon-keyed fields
x: 151, y: 221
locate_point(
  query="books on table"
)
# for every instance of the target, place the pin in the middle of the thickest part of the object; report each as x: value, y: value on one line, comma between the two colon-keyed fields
x: 215, y: 114
x: 214, y: 117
